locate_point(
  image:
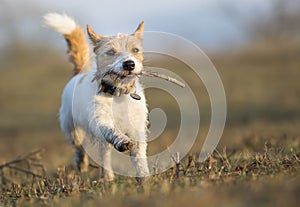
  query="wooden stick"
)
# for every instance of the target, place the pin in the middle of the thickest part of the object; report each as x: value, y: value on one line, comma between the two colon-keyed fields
x: 162, y: 76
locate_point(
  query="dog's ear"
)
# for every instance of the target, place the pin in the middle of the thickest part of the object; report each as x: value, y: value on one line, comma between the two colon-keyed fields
x: 93, y: 36
x: 139, y: 31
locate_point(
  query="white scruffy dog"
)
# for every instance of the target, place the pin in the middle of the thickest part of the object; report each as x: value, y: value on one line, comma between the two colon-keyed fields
x: 106, y: 104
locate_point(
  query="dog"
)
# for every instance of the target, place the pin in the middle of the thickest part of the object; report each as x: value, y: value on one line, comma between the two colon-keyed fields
x: 106, y: 103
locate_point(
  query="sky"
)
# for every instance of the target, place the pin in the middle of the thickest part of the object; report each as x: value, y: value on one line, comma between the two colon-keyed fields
x: 212, y: 25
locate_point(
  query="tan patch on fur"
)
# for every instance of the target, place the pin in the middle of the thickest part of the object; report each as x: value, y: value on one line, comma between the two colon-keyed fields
x: 122, y: 45
x: 111, y: 52
x: 139, y: 31
x: 78, y: 50
x: 93, y: 36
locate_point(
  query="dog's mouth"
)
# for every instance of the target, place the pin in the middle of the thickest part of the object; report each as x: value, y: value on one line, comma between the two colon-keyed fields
x: 117, y: 83
x: 122, y: 77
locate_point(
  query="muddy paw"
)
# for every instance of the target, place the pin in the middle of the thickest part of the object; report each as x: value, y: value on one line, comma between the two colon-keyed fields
x: 124, y: 146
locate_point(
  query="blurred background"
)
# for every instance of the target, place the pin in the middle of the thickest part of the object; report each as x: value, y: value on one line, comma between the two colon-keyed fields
x: 254, y: 45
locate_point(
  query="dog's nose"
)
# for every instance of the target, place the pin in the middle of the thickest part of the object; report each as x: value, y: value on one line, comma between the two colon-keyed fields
x: 128, y: 65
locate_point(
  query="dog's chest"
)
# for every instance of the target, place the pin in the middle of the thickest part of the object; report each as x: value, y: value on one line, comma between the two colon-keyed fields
x: 126, y: 113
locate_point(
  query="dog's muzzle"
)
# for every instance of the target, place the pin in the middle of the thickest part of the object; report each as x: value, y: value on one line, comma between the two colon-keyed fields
x: 118, y: 82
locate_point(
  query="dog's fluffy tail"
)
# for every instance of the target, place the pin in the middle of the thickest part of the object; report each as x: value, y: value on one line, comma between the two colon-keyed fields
x: 78, y: 51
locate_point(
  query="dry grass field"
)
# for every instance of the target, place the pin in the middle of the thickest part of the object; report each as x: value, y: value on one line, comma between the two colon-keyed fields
x: 256, y: 163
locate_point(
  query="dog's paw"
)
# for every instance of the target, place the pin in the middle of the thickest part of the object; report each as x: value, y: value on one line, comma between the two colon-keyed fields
x: 124, y: 146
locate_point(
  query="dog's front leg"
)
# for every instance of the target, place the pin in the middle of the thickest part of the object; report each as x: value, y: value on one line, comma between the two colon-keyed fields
x: 138, y: 156
x: 106, y: 171
x: 120, y: 141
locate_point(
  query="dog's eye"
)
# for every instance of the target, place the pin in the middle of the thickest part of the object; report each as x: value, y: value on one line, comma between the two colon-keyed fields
x: 135, y: 50
x: 111, y: 52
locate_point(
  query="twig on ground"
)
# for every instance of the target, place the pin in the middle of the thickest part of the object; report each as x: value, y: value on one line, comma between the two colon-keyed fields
x: 32, y: 157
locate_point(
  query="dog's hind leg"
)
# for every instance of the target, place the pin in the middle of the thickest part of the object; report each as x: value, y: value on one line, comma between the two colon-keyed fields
x: 106, y: 171
x: 81, y: 158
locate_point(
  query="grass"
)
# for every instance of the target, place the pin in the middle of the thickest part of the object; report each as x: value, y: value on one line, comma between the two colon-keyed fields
x: 256, y: 162
x: 226, y: 178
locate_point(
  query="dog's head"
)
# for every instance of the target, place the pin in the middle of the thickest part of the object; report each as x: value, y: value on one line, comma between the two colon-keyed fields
x: 119, y: 58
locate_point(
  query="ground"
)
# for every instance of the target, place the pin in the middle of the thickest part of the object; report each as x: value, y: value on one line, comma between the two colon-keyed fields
x: 255, y: 164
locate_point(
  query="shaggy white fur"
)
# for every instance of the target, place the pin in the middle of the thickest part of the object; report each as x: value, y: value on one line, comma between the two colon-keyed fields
x: 62, y: 23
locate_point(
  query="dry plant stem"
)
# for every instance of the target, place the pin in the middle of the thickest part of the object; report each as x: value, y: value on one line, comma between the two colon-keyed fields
x: 28, y: 172
x: 21, y: 159
x: 162, y: 76
x: 27, y: 158
x: 176, y: 170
